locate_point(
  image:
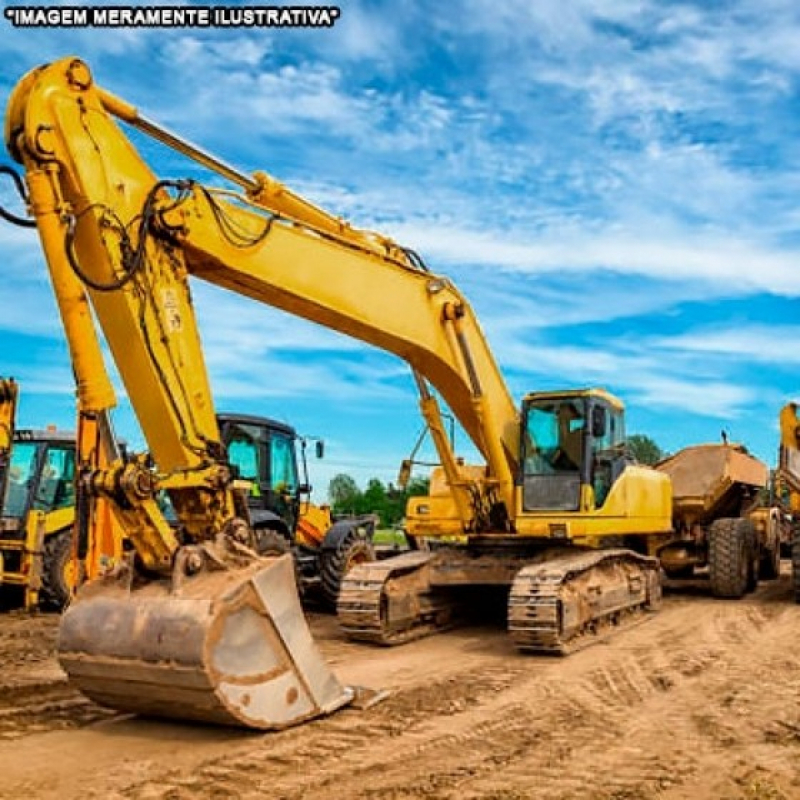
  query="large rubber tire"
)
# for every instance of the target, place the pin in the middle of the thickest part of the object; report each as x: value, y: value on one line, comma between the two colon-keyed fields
x: 270, y: 542
x: 57, y: 566
x: 771, y: 563
x: 796, y: 563
x: 354, y: 549
x: 730, y: 557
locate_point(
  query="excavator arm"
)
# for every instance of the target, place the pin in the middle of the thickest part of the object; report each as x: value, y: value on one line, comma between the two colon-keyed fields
x: 133, y: 239
x: 196, y: 624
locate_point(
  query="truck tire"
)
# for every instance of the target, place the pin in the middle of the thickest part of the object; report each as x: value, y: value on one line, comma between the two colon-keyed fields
x: 355, y: 548
x: 796, y: 563
x: 731, y: 558
x: 771, y: 561
x: 57, y: 566
x: 770, y: 564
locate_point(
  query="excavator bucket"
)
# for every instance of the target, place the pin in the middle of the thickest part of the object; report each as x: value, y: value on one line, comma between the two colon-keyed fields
x: 229, y: 647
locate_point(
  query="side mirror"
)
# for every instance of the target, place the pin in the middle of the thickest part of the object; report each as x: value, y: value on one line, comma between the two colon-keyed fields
x: 599, y: 422
x: 304, y: 488
x: 319, y: 448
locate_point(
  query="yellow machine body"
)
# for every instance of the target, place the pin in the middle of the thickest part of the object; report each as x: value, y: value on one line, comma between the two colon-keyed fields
x: 556, y: 502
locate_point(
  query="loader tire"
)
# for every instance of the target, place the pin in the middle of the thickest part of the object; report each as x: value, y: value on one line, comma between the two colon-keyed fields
x: 354, y: 549
x: 57, y: 566
x: 796, y: 564
x: 731, y: 560
x: 270, y: 542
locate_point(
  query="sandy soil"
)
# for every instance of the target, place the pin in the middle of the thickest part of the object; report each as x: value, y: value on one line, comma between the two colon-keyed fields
x: 699, y: 701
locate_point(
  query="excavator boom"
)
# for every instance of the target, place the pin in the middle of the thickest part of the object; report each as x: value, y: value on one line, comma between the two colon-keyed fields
x: 195, y: 623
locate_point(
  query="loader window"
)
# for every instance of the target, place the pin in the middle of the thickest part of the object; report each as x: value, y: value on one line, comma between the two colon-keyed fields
x: 244, y: 453
x: 20, y: 471
x: 284, y: 465
x: 56, y: 487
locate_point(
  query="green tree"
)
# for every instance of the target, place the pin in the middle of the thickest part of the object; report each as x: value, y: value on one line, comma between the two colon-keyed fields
x: 344, y: 494
x: 388, y: 502
x: 644, y: 449
x: 374, y: 500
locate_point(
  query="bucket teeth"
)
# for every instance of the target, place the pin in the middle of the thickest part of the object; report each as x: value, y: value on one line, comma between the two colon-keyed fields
x: 228, y: 646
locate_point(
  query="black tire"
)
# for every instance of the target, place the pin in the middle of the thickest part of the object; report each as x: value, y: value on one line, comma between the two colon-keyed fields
x: 354, y: 549
x: 270, y: 542
x: 731, y: 558
x: 56, y: 569
x: 754, y: 558
x: 770, y: 567
x: 796, y: 563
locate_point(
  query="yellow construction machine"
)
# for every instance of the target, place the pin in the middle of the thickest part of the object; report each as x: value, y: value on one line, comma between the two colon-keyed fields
x: 787, y: 480
x: 727, y: 527
x: 39, y: 563
x: 264, y: 452
x: 197, y: 625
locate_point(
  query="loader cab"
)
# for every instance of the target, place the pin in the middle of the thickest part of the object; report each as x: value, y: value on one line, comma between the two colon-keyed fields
x: 39, y: 475
x: 573, y: 449
x: 264, y: 452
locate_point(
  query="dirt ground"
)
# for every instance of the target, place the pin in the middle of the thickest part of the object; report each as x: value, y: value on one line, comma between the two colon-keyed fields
x: 699, y: 701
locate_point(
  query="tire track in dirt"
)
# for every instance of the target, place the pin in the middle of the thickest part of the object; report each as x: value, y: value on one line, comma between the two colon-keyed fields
x: 618, y: 721
x: 700, y: 701
x: 34, y: 694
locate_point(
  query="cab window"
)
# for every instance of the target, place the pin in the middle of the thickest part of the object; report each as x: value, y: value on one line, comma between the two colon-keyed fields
x: 56, y: 487
x: 20, y: 470
x: 244, y: 453
x: 284, y: 466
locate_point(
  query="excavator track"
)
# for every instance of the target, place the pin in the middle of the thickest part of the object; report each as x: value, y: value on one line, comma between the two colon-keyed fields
x: 391, y: 602
x: 572, y: 601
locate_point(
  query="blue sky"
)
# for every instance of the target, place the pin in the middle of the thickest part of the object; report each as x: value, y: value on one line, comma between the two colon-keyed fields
x: 614, y: 186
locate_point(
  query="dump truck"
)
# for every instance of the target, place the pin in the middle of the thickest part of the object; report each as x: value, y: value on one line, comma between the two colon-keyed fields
x: 725, y: 527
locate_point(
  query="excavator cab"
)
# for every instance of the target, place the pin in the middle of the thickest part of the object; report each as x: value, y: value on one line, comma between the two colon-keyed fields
x: 573, y: 450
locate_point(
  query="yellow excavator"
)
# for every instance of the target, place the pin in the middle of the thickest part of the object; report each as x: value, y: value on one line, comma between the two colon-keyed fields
x: 197, y: 625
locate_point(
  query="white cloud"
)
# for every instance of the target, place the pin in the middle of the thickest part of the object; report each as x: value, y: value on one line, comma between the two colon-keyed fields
x: 770, y: 344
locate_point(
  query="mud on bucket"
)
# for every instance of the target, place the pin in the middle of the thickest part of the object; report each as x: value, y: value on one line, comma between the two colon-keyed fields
x: 230, y: 647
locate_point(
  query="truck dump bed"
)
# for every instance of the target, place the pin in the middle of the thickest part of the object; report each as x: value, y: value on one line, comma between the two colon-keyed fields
x: 709, y: 480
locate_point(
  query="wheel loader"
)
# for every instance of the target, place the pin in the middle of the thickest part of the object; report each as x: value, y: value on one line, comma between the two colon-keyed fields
x: 37, y: 487
x: 37, y: 515
x: 264, y: 453
x: 196, y: 624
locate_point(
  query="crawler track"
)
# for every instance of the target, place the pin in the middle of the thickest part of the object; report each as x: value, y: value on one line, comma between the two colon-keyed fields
x: 390, y: 603
x: 568, y: 603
